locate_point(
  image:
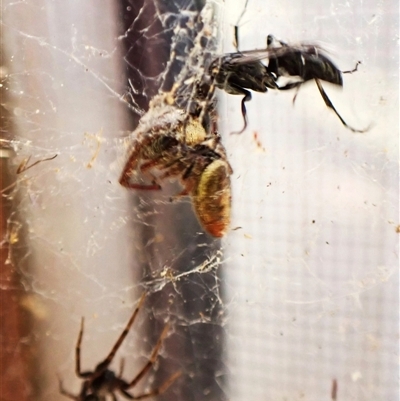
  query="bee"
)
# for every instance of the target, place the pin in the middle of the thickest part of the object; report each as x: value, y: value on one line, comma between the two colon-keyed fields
x: 179, y: 145
x: 238, y: 73
x: 103, y: 382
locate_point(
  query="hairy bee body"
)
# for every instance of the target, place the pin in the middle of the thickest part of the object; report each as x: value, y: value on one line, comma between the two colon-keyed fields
x: 181, y: 147
x: 212, y: 198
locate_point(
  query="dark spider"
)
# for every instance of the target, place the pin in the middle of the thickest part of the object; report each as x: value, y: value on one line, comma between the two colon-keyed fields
x: 103, y: 382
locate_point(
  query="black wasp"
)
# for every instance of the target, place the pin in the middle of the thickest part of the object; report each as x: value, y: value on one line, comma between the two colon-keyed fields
x: 238, y: 73
x: 101, y: 383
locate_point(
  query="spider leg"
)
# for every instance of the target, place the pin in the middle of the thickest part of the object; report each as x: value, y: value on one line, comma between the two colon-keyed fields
x: 151, y: 360
x: 121, y: 368
x: 331, y: 106
x: 79, y: 373
x: 155, y: 392
x: 65, y: 392
x: 334, y: 390
x: 102, y: 366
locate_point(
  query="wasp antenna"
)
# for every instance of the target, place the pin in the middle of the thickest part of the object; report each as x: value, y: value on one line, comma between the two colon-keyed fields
x: 353, y: 70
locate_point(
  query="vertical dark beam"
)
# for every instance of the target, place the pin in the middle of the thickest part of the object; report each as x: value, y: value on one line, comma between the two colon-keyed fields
x: 14, y: 373
x: 192, y: 304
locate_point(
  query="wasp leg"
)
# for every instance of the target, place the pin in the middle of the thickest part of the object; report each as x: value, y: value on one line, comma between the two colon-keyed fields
x: 246, y: 98
x: 290, y: 86
x: 295, y: 95
x: 236, y: 32
x: 331, y: 106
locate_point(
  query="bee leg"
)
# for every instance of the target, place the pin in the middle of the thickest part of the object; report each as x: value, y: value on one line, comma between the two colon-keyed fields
x: 144, y: 169
x: 145, y: 187
x: 140, y: 151
x: 125, y: 178
x: 186, y: 191
x: 179, y: 195
x: 130, y: 166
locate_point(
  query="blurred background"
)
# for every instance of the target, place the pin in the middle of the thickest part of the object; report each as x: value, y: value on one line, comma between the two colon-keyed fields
x: 303, y: 289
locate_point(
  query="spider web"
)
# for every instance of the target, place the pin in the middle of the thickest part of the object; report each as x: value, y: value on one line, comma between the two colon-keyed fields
x: 303, y: 289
